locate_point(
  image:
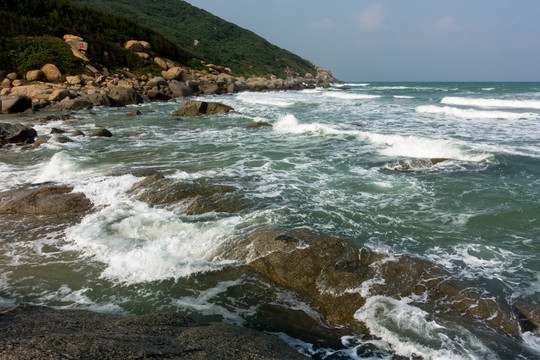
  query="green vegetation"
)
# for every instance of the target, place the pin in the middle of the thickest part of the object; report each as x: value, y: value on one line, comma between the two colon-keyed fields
x: 219, y: 42
x: 105, y: 33
x: 22, y: 54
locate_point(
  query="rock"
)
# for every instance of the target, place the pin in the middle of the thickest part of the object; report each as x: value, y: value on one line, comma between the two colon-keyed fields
x: 179, y: 89
x: 157, y: 81
x: 34, y: 75
x: 101, y: 133
x: 6, y: 83
x: 186, y: 198
x: 157, y: 95
x: 17, y: 82
x: 50, y: 200
x: 233, y: 88
x: 134, y: 113
x: 260, y: 124
x: 77, y: 133
x: 79, y: 103
x: 331, y: 276
x: 194, y: 108
x: 323, y: 83
x: 80, y: 334
x: 48, y: 138
x: 133, y: 45
x: 529, y: 315
x: 100, y: 99
x: 125, y: 96
x: 51, y: 72
x: 16, y: 134
x: 15, y: 104
x: 12, y: 76
x: 143, y: 55
x: 162, y: 63
x: 57, y: 131
x: 418, y: 164
x: 173, y: 73
x: 209, y: 89
x: 193, y: 85
x: 59, y: 95
x: 73, y: 80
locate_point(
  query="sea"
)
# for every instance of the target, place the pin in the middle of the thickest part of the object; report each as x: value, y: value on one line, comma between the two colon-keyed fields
x: 352, y: 161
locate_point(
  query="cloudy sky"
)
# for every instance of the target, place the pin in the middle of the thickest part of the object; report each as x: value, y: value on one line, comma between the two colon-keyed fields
x: 399, y: 40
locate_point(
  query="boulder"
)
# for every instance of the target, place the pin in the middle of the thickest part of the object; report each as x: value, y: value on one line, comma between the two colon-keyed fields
x: 15, y: 104
x: 173, y: 73
x: 80, y: 334
x: 101, y: 133
x: 51, y: 72
x: 143, y: 55
x: 157, y: 95
x: 179, y: 89
x: 17, y: 82
x: 80, y: 103
x: 50, y: 200
x: 125, y: 96
x: 133, y: 45
x: 16, y: 134
x: 34, y: 75
x: 157, y: 81
x: 260, y: 124
x: 145, y: 45
x: 193, y: 85
x: 77, y: 133
x: 161, y: 63
x: 73, y: 80
x: 418, y: 164
x: 134, y: 113
x: 12, y: 76
x: 51, y: 138
x: 209, y: 88
x: 59, y: 95
x: 323, y: 83
x: 100, y: 99
x: 194, y: 108
x: 6, y: 83
x: 186, y: 198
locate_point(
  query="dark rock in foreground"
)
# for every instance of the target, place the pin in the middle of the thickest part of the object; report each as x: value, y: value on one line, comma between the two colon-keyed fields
x: 16, y: 134
x: 194, y: 108
x: 15, y: 104
x: 43, y: 333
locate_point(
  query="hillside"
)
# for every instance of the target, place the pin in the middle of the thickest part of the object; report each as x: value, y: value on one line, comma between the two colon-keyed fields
x: 107, y: 33
x: 219, y: 42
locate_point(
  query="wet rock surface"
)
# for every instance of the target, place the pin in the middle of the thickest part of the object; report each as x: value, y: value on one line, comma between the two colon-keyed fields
x: 195, y: 108
x: 43, y: 333
x: 16, y: 134
x: 336, y: 278
x: 418, y: 164
x: 186, y: 198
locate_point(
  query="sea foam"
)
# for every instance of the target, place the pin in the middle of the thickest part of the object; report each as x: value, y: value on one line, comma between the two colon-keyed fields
x: 473, y: 114
x: 497, y: 103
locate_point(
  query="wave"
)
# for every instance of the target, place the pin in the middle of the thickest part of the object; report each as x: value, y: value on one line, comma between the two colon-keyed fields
x: 352, y: 85
x: 403, y: 97
x: 473, y: 114
x: 348, y: 96
x: 248, y: 98
x: 410, y: 331
x: 498, y: 103
x: 388, y: 145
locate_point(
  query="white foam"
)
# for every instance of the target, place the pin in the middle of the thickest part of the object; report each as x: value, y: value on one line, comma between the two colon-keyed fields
x: 532, y: 340
x: 410, y: 332
x: 350, y: 96
x: 473, y: 114
x: 264, y: 99
x: 403, y: 97
x: 352, y: 84
x: 138, y: 243
x: 289, y: 124
x: 498, y: 103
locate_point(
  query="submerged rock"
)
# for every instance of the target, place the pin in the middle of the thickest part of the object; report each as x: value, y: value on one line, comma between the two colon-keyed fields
x: 418, y: 164
x: 194, y: 108
x: 101, y: 133
x: 336, y: 278
x: 186, y: 198
x: 77, y: 334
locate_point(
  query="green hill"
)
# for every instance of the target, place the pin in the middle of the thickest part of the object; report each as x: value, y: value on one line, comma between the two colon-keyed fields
x: 219, y: 42
x: 29, y: 25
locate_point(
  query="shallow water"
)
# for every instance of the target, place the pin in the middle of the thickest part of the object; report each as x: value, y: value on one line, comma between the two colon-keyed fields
x: 327, y: 164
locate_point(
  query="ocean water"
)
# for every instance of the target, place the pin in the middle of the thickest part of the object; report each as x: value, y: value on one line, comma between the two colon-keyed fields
x: 327, y: 164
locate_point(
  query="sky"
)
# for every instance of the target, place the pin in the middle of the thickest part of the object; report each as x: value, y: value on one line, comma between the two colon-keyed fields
x: 399, y: 40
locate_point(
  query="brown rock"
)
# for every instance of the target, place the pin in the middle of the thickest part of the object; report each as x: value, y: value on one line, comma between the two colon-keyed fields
x: 134, y: 113
x: 14, y: 104
x: 134, y: 45
x: 16, y: 134
x: 101, y: 133
x: 51, y: 72
x: 162, y: 63
x: 6, y: 83
x: 194, y: 108
x: 173, y: 73
x: 34, y: 75
x: 260, y: 124
x: 59, y: 95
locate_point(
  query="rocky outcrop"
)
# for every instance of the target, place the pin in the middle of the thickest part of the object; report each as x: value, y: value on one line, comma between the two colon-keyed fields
x: 49, y: 200
x: 336, y: 278
x: 76, y: 334
x: 195, y: 108
x: 51, y: 72
x: 125, y: 96
x: 186, y: 198
x: 418, y: 164
x: 16, y: 134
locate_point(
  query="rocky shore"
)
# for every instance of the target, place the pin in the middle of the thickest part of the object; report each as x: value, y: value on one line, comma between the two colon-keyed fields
x: 48, y: 88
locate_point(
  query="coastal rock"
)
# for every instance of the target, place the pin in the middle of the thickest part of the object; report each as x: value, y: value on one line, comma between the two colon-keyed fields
x: 157, y: 81
x: 125, y: 96
x: 16, y: 134
x: 77, y: 133
x: 48, y: 138
x: 50, y: 200
x: 173, y: 73
x: 101, y: 133
x: 12, y: 76
x: 260, y: 124
x: 418, y: 164
x: 134, y: 113
x: 161, y: 63
x: 6, y: 83
x: 134, y: 45
x: 157, y: 95
x: 51, y: 72
x: 194, y: 108
x: 100, y: 99
x: 59, y: 95
x: 34, y: 75
x: 529, y: 315
x: 79, y: 334
x: 323, y: 83
x: 332, y: 276
x: 209, y: 88
x: 79, y: 103
x: 73, y: 80
x: 15, y: 104
x: 186, y: 198
x: 180, y: 89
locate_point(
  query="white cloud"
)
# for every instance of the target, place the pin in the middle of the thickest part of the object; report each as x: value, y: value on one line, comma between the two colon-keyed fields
x: 373, y: 17
x: 323, y: 24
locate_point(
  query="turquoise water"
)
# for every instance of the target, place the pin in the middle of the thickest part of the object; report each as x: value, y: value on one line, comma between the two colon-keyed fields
x: 328, y: 164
